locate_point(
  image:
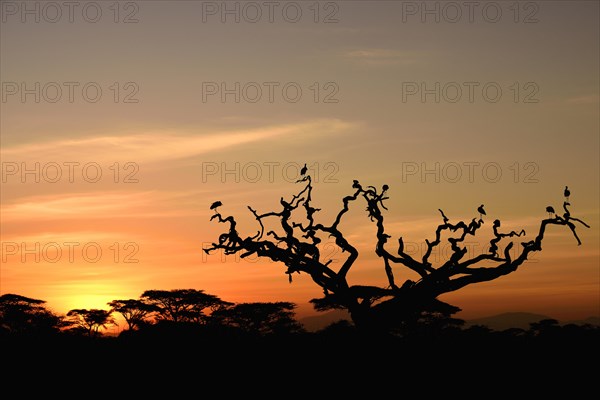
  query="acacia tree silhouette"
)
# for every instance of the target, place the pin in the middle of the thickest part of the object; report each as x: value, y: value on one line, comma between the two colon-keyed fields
x: 90, y: 321
x: 182, y: 305
x: 260, y: 318
x: 133, y: 311
x: 24, y: 315
x: 374, y: 307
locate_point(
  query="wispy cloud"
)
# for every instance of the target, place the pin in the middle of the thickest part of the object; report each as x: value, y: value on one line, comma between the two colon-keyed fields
x: 92, y: 205
x: 73, y: 236
x: 382, y: 57
x: 585, y: 99
x: 161, y: 146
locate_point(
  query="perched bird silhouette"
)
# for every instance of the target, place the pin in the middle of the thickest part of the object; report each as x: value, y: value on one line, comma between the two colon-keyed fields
x: 550, y: 211
x: 481, y: 211
x: 355, y: 184
x: 385, y: 187
x: 216, y: 204
x: 567, y: 193
x: 303, y: 170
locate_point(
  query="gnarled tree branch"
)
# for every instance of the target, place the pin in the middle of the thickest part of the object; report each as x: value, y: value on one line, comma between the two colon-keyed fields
x: 296, y: 246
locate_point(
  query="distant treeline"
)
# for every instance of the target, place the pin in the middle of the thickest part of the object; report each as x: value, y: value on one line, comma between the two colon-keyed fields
x: 191, y: 313
x: 191, y: 337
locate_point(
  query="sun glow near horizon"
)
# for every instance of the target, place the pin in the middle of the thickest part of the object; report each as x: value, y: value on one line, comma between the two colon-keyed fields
x: 373, y: 96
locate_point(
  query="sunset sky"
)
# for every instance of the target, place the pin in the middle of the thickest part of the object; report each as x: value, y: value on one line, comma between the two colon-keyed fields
x: 140, y: 120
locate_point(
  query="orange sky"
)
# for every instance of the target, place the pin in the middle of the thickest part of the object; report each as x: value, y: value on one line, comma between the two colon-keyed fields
x: 132, y: 173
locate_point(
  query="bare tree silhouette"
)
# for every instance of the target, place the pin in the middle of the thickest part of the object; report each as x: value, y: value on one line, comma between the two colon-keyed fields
x: 371, y: 307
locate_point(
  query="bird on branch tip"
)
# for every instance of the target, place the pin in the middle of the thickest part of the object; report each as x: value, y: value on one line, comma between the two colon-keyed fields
x: 550, y: 211
x: 567, y: 193
x: 481, y: 211
x: 355, y: 184
x: 304, y: 170
x: 216, y: 204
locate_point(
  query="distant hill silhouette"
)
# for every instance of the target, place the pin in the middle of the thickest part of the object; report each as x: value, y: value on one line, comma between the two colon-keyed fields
x: 497, y: 322
x: 522, y: 320
x: 321, y: 320
x: 595, y: 321
x: 508, y: 320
